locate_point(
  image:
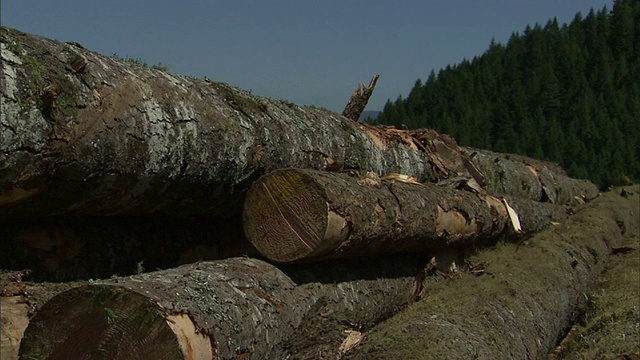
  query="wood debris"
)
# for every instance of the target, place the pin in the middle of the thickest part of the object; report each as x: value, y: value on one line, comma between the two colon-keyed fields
x: 400, y: 178
x: 420, y: 282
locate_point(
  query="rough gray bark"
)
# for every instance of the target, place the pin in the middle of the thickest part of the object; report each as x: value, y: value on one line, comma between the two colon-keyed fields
x: 117, y: 138
x: 528, y: 297
x: 239, y: 307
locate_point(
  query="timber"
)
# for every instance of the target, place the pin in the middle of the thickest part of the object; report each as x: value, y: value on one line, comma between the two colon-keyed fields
x: 293, y: 215
x: 534, y: 179
x: 226, y: 309
x: 19, y: 300
x: 92, y: 144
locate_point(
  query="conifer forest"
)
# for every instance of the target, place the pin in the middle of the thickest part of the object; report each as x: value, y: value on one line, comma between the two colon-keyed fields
x: 566, y: 93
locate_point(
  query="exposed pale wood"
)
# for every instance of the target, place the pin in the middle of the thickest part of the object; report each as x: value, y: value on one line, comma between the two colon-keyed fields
x: 13, y: 314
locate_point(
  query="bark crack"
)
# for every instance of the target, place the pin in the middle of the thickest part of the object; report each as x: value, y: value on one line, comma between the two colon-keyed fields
x: 399, y: 215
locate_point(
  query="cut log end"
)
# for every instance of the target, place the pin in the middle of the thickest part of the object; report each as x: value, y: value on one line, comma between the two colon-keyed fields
x: 289, y: 216
x: 110, y: 322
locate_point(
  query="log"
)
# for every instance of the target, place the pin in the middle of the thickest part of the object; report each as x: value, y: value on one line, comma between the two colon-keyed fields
x: 115, y: 138
x: 528, y: 298
x: 359, y: 99
x: 227, y: 309
x: 293, y: 215
x: 518, y: 175
x: 19, y: 299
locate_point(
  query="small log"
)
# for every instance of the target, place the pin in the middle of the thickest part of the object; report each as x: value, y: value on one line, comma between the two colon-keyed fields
x: 227, y: 309
x: 359, y: 99
x: 293, y: 215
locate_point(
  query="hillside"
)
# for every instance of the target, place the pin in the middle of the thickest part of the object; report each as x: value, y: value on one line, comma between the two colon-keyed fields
x: 567, y: 93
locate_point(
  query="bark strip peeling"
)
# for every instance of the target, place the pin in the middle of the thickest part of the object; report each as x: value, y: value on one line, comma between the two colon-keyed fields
x: 293, y: 215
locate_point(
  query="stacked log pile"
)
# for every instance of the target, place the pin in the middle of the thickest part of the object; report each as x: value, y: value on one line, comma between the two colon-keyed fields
x: 105, y: 162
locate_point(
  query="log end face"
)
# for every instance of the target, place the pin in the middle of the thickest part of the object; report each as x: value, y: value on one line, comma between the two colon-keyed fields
x: 285, y: 216
x: 100, y: 321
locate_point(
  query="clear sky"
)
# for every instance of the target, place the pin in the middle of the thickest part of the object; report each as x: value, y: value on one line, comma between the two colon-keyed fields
x: 307, y: 52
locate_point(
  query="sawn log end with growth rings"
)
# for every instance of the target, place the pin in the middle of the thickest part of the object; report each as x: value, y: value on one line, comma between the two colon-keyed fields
x: 292, y: 207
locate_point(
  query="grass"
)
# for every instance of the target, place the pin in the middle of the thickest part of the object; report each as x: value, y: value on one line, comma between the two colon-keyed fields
x: 141, y: 63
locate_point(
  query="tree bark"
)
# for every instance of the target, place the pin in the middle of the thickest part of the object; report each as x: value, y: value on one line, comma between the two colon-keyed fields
x: 229, y: 309
x: 529, y: 295
x: 293, y: 215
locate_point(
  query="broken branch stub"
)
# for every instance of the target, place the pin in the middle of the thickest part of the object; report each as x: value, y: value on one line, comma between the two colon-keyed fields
x: 359, y: 99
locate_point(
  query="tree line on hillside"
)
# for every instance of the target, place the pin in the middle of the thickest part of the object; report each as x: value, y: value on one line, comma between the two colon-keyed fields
x: 569, y: 94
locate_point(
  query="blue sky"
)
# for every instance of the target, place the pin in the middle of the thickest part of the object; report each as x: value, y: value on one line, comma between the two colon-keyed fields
x: 307, y: 52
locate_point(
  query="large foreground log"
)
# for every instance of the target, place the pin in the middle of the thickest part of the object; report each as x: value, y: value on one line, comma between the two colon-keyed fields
x: 529, y: 296
x: 18, y: 301
x: 88, y: 134
x: 228, y: 309
x: 294, y: 214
